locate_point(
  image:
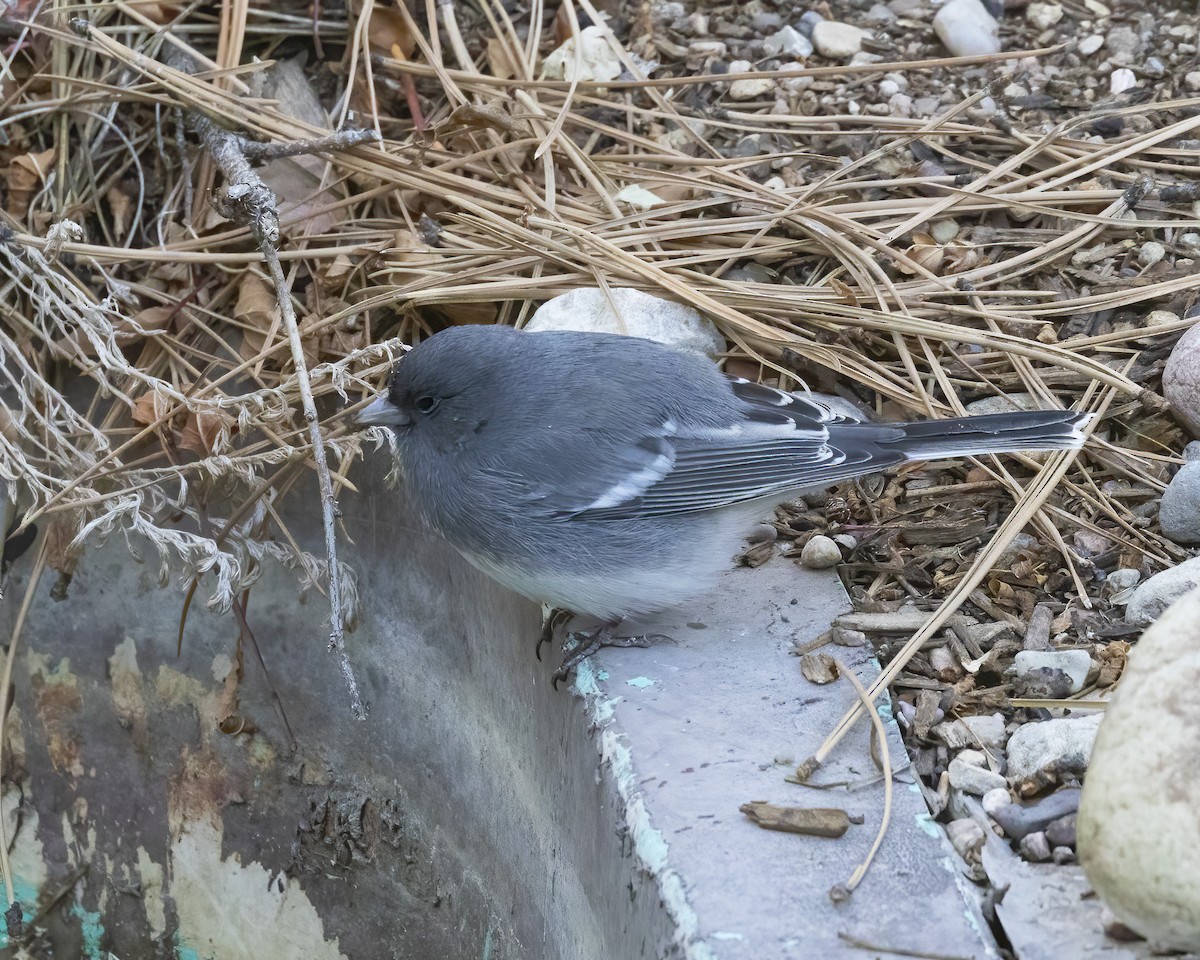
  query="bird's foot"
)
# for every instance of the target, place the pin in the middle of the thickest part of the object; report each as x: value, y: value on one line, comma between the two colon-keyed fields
x: 553, y: 620
x: 587, y: 642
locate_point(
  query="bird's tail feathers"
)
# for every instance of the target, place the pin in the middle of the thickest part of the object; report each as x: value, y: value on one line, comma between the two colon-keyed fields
x: 991, y: 433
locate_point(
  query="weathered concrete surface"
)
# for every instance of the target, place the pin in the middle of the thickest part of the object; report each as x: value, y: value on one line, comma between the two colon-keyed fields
x: 464, y: 818
x: 476, y: 813
x: 700, y: 727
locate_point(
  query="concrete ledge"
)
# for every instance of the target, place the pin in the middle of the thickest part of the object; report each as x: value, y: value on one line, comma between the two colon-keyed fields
x: 476, y: 813
x: 692, y: 730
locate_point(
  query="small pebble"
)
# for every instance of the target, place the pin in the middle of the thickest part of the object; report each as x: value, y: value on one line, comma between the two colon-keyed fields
x: 820, y: 553
x: 787, y: 41
x: 1061, y: 855
x: 751, y: 89
x: 1089, y: 45
x: 1192, y: 451
x: 1074, y: 663
x: 966, y: 28
x: 888, y: 88
x: 987, y: 730
x: 1043, y: 15
x: 943, y: 231
x: 808, y: 22
x: 1151, y: 253
x: 1192, y: 80
x: 1061, y: 832
x: 995, y: 799
x: 973, y: 779
x: 1035, y: 848
x: 837, y: 41
x: 967, y: 837
x: 1063, y: 745
x: 1122, y: 80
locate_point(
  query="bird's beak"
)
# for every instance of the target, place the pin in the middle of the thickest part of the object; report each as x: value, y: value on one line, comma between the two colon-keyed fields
x: 382, y: 412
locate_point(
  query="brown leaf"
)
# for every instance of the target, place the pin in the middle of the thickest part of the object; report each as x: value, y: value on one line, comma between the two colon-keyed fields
x: 150, y: 407
x: 202, y: 430
x: 257, y: 311
x: 843, y: 291
x: 388, y: 33
x: 120, y: 206
x: 25, y: 176
x: 501, y: 62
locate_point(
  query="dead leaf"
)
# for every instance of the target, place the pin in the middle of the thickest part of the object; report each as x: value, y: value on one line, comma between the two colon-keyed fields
x: 25, y: 176
x: 202, y: 431
x: 501, y: 62
x: 257, y: 310
x: 818, y: 668
x: 924, y: 252
x: 388, y: 29
x: 151, y: 407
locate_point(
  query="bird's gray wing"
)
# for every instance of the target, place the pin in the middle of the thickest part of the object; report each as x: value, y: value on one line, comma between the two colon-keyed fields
x: 780, y: 442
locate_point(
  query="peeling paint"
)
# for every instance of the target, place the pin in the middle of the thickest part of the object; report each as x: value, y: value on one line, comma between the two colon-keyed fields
x: 641, y: 682
x: 129, y: 702
x: 151, y: 876
x: 92, y: 930
x: 58, y: 702
x: 233, y: 911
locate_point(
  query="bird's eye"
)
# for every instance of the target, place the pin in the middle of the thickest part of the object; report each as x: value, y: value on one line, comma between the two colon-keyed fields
x: 426, y: 404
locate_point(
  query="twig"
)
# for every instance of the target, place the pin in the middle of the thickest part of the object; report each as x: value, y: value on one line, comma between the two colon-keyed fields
x: 842, y: 891
x: 247, y: 200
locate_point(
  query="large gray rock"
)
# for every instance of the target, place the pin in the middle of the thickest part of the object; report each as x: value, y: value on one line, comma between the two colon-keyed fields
x: 1181, y: 380
x: 1137, y: 827
x: 1151, y: 598
x: 1179, y: 512
x: 637, y: 314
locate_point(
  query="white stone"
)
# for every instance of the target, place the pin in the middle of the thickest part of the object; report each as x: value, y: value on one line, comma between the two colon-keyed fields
x: 638, y: 315
x: 1122, y: 80
x: 1089, y: 45
x: 888, y: 88
x: 993, y: 800
x: 751, y: 88
x: 1064, y: 743
x: 966, y: 29
x: 1181, y: 380
x: 1074, y: 663
x: 1137, y: 824
x: 837, y: 41
x: 1192, y: 80
x: 1151, y: 598
x: 787, y: 41
x: 972, y: 779
x: 1042, y: 16
x: 820, y: 553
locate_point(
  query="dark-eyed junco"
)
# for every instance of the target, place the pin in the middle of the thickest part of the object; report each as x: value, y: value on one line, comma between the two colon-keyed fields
x: 613, y: 476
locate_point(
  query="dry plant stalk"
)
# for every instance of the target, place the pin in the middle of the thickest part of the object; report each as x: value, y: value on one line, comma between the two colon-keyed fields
x: 142, y: 370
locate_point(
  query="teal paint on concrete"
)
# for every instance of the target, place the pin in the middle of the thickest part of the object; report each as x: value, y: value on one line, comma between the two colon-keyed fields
x: 92, y: 930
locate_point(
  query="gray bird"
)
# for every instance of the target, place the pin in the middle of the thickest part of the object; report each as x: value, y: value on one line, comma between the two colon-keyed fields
x: 613, y: 476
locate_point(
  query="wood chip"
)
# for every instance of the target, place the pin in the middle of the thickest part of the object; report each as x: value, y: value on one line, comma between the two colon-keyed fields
x: 809, y: 821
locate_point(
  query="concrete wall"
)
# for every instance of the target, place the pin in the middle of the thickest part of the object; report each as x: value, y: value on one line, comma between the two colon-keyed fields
x: 464, y: 818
